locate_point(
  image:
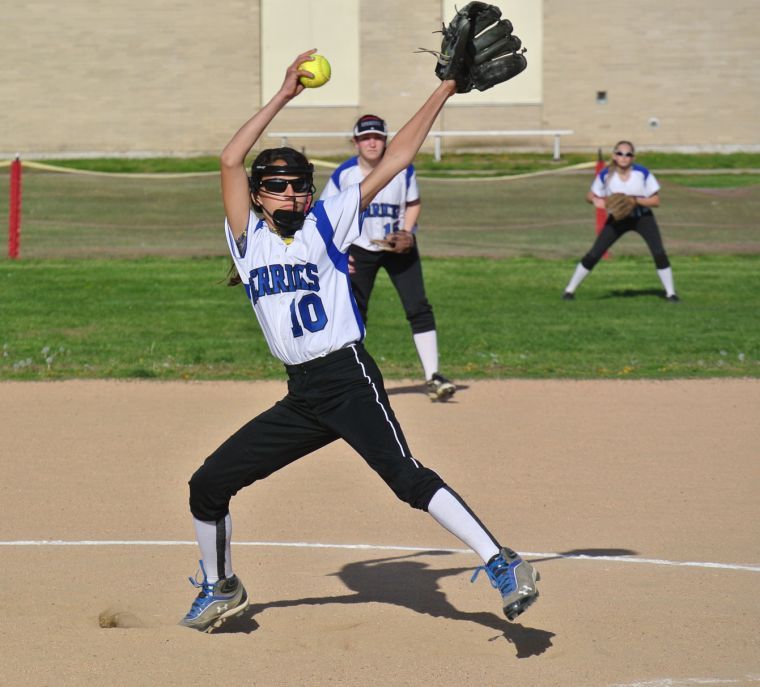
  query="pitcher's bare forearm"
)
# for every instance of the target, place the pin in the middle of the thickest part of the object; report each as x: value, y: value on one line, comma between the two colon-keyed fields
x: 235, y: 189
x: 407, y: 142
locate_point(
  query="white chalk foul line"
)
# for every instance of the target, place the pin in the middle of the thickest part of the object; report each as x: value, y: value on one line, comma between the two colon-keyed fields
x: 679, y: 682
x: 378, y: 547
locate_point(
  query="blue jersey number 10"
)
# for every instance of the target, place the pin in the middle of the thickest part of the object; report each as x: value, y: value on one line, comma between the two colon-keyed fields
x: 310, y: 312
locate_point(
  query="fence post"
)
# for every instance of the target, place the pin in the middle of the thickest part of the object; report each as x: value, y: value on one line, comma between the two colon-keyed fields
x: 14, y: 209
x: 437, y: 155
x: 601, y: 215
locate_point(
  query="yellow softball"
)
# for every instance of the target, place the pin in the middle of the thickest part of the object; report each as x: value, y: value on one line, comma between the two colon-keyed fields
x: 318, y: 66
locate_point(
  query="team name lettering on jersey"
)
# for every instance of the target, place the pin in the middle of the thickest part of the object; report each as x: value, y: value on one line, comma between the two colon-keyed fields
x: 382, y: 210
x: 271, y: 279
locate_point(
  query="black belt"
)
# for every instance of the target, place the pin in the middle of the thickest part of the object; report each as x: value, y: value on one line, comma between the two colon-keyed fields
x: 314, y: 363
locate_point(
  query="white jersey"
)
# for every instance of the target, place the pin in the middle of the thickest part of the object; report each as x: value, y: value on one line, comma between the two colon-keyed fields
x: 386, y: 212
x: 641, y: 183
x: 301, y: 293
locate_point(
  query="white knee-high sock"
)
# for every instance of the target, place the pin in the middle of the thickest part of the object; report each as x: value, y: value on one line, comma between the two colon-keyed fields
x: 427, y: 349
x: 666, y: 277
x: 214, y: 540
x: 578, y: 276
x: 451, y: 512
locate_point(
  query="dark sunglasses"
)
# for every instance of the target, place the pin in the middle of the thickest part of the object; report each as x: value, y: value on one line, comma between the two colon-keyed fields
x: 299, y: 185
x: 622, y: 154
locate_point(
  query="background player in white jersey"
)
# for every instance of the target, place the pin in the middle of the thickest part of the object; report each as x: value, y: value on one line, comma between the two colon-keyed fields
x: 623, y: 176
x: 388, y: 240
x: 294, y: 265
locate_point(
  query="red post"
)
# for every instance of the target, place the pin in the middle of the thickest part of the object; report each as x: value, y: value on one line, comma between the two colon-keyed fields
x: 14, y: 210
x: 601, y: 215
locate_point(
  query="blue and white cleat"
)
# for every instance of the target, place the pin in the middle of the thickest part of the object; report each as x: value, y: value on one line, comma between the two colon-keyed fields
x: 216, y: 602
x: 514, y: 578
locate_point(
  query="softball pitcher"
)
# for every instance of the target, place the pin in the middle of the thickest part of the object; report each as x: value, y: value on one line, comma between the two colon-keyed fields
x: 293, y: 263
x: 388, y: 240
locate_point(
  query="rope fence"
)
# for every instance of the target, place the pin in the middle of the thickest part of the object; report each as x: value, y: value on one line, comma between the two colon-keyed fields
x: 76, y: 213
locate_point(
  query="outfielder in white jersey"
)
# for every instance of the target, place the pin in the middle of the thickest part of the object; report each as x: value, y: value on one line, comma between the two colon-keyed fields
x: 294, y: 266
x: 623, y: 176
x: 388, y: 241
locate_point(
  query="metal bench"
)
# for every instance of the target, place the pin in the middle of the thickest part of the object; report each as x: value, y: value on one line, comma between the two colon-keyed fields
x: 436, y: 135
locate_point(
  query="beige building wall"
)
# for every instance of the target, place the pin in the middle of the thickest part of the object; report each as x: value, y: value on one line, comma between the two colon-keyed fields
x: 164, y: 76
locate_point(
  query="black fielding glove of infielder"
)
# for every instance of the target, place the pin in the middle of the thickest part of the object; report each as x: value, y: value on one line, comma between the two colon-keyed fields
x: 478, y: 49
x: 396, y: 242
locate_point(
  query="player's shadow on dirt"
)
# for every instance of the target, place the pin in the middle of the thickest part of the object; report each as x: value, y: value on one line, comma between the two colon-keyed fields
x: 633, y: 293
x: 411, y: 584
x: 419, y: 389
x: 586, y: 553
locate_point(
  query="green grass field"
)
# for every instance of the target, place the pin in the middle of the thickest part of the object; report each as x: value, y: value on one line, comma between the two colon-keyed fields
x: 122, y: 277
x: 545, y: 217
x: 174, y: 319
x: 478, y: 162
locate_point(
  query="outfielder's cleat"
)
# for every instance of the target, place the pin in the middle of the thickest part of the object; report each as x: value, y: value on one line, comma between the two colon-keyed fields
x: 514, y: 578
x: 568, y: 296
x: 216, y: 602
x: 673, y: 298
x: 439, y: 388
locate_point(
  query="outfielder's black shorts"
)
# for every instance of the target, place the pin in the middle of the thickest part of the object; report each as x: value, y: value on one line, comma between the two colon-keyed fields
x: 643, y: 223
x: 338, y: 396
x: 405, y: 272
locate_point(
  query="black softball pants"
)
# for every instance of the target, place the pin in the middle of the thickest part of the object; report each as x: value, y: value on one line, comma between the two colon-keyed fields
x: 405, y: 272
x: 338, y: 396
x: 645, y: 225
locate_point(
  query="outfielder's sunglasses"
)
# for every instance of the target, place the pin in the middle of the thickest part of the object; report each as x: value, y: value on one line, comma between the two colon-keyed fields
x: 622, y: 154
x: 299, y: 185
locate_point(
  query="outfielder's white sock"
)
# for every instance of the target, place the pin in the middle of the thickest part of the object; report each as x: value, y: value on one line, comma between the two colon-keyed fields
x: 451, y: 512
x: 206, y: 534
x: 666, y: 277
x: 427, y: 349
x: 578, y: 276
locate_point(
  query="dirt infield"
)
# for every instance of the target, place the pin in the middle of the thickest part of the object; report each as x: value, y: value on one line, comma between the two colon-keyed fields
x: 611, y: 487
